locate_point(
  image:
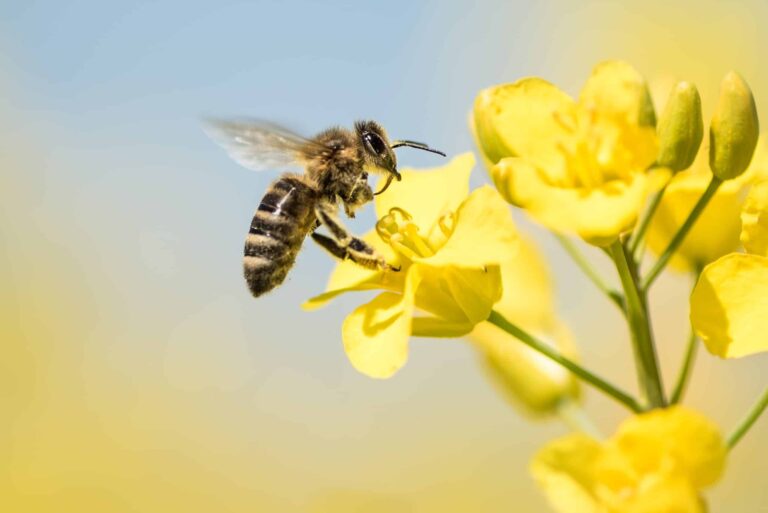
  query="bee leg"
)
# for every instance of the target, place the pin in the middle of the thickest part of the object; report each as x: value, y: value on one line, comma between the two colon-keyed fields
x: 344, y: 245
x: 330, y: 245
x: 360, y: 194
x: 366, y: 258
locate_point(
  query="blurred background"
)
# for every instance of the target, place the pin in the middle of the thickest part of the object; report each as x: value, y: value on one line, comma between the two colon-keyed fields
x: 136, y: 372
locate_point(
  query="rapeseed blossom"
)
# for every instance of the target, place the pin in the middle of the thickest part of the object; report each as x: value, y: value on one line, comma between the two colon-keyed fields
x: 575, y: 166
x: 582, y: 167
x: 655, y: 462
x: 448, y: 243
x: 729, y: 305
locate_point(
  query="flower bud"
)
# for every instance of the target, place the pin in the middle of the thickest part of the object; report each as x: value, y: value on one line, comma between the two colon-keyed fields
x: 483, y: 124
x: 681, y: 128
x: 734, y: 129
x: 647, y: 116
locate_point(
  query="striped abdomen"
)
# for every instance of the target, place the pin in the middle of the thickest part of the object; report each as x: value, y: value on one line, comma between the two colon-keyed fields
x: 281, y: 223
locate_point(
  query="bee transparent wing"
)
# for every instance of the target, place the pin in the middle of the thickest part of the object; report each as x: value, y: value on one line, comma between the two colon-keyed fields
x: 259, y: 145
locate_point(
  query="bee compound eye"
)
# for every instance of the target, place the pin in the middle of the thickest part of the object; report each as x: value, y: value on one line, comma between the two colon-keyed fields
x: 375, y: 143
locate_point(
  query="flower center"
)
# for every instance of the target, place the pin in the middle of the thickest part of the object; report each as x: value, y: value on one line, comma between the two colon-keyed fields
x: 399, y: 231
x: 588, y: 149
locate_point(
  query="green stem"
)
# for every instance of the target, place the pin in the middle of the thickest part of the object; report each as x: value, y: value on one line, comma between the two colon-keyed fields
x: 585, y: 266
x: 637, y: 237
x: 749, y: 420
x: 714, y: 184
x: 642, y: 339
x: 526, y: 338
x: 685, y: 370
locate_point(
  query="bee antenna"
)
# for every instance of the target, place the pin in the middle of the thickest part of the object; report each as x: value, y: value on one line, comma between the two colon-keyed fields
x: 415, y: 144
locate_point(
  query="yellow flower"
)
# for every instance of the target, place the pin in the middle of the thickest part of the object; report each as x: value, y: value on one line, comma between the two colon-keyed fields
x: 754, y: 219
x: 574, y: 166
x: 729, y: 307
x: 716, y: 232
x: 529, y: 380
x: 656, y: 462
x: 449, y: 244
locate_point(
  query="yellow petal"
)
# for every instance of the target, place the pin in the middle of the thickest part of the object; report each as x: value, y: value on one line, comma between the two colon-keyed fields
x: 475, y: 291
x: 524, y: 119
x: 598, y: 215
x: 758, y: 166
x: 527, y: 296
x: 376, y: 334
x: 441, y: 328
x: 484, y: 233
x: 715, y: 232
x: 616, y: 89
x: 426, y: 194
x: 321, y: 300
x: 729, y: 306
x: 691, y: 440
x: 665, y: 491
x: 565, y: 470
x: 525, y: 377
x: 754, y: 220
x: 458, y: 294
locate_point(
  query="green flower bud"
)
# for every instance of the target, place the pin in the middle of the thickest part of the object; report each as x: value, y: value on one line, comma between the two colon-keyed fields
x: 734, y: 129
x: 681, y: 128
x: 647, y: 115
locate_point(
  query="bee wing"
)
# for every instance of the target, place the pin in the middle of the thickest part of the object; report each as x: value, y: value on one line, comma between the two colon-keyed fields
x: 259, y: 145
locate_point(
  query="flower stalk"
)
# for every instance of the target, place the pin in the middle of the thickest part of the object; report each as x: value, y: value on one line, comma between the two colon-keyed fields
x: 679, y: 237
x: 614, y: 295
x: 643, y: 346
x: 635, y: 242
x: 757, y: 409
x: 526, y: 338
x: 685, y: 369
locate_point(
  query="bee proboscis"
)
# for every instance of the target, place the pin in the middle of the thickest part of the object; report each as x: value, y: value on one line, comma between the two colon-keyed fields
x: 336, y: 165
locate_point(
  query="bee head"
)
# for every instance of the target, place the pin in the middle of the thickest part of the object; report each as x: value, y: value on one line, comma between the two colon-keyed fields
x: 378, y: 156
x: 378, y: 152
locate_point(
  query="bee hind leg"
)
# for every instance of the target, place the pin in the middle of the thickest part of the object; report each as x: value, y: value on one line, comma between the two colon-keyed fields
x: 344, y: 245
x: 364, y: 256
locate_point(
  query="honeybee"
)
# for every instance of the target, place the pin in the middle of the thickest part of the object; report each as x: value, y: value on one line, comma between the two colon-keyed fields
x: 336, y: 165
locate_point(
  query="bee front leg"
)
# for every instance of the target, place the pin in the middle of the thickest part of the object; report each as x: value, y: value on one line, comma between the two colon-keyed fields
x: 360, y: 194
x: 344, y: 245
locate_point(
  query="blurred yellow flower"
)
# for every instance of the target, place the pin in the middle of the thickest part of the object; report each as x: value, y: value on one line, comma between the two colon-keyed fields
x: 754, y: 220
x: 729, y: 307
x: 574, y: 166
x: 530, y: 381
x: 656, y: 462
x: 716, y: 232
x: 449, y: 244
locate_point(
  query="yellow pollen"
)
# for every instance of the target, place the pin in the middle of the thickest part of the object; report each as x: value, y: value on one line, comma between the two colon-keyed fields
x: 396, y: 241
x: 447, y: 223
